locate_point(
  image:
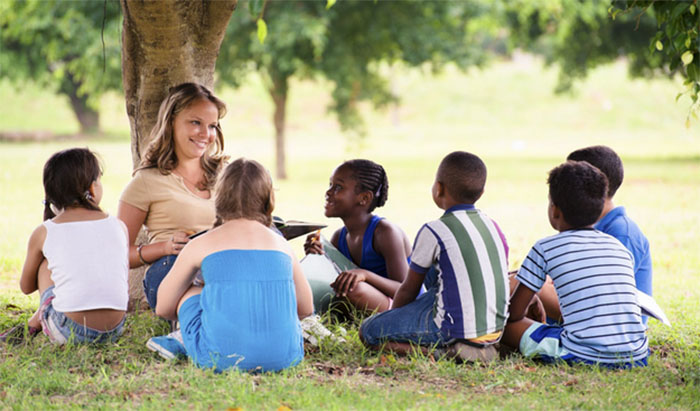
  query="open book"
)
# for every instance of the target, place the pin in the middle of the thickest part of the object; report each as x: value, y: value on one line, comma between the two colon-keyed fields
x: 295, y: 228
x: 321, y: 270
x: 651, y: 308
x: 289, y: 229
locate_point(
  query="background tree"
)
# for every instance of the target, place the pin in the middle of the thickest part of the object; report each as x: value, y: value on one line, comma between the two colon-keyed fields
x: 656, y: 38
x: 347, y: 44
x: 61, y: 45
x: 165, y: 43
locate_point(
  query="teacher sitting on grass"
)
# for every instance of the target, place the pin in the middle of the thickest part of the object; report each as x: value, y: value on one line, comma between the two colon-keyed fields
x: 171, y: 193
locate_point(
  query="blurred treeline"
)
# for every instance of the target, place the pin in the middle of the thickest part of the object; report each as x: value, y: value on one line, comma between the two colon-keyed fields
x: 73, y: 47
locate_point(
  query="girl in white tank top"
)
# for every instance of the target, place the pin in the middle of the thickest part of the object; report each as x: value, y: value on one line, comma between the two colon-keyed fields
x: 77, y: 259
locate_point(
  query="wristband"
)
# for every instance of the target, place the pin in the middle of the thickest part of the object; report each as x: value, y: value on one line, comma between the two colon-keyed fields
x: 138, y: 251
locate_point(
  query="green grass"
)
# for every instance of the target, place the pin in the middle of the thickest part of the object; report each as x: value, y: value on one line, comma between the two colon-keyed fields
x: 506, y: 114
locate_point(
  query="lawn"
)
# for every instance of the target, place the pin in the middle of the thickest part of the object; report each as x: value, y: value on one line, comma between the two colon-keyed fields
x: 508, y: 115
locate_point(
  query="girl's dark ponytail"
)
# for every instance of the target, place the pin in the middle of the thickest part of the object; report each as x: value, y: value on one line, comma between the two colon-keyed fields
x: 68, y: 175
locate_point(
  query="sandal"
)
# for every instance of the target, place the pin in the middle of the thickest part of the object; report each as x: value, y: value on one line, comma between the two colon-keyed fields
x: 18, y: 334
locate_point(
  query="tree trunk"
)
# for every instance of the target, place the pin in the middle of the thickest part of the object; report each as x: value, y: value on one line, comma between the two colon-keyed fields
x: 88, y: 118
x: 278, y: 92
x: 165, y: 43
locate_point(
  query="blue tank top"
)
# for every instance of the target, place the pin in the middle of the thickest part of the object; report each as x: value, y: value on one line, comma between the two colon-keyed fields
x: 249, y: 312
x: 370, y: 260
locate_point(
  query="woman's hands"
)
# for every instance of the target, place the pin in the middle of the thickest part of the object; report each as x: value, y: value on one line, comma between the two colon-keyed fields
x: 176, y: 243
x: 347, y: 280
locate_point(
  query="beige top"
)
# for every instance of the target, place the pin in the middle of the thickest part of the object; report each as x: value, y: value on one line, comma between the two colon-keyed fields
x: 169, y: 205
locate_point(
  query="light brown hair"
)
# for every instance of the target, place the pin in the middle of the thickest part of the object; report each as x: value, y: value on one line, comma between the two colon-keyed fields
x: 244, y: 190
x: 160, y: 152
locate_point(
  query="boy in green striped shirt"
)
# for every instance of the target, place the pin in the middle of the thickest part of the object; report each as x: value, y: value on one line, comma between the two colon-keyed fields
x: 462, y: 260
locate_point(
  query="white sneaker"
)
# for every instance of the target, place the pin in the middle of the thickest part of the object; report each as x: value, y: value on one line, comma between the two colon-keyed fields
x: 313, y: 331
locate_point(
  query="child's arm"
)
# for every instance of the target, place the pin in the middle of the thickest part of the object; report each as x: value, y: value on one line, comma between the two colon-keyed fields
x: 177, y: 281
x: 391, y: 243
x: 28, y: 281
x: 409, y: 289
x: 519, y: 302
x: 305, y: 301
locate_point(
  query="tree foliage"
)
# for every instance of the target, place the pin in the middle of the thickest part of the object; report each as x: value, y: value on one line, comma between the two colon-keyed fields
x: 677, y: 38
x: 654, y: 36
x: 348, y: 44
x: 63, y: 46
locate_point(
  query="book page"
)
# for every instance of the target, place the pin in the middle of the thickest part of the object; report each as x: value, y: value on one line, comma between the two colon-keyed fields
x: 651, y: 308
x: 320, y: 272
x: 341, y: 261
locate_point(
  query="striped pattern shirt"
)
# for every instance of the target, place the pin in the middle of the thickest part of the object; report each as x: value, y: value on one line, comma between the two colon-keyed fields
x: 594, y: 279
x: 469, y: 253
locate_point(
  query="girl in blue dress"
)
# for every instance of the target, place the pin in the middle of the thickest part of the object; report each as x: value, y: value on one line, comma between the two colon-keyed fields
x: 247, y: 313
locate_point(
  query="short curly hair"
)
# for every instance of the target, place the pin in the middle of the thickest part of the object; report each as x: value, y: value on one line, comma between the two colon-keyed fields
x: 579, y: 190
x: 606, y: 160
x: 463, y: 175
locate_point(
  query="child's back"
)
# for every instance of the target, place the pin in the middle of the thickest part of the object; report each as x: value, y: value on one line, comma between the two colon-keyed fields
x: 247, y: 313
x: 614, y: 220
x: 248, y: 303
x: 77, y: 259
x: 462, y: 260
x: 88, y: 265
x: 592, y: 275
x: 470, y: 256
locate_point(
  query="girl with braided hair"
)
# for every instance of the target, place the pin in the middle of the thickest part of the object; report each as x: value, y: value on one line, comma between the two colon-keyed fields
x: 378, y: 247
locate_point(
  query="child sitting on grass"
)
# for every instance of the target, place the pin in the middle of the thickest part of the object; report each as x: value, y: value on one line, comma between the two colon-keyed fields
x: 592, y: 274
x: 465, y: 307
x: 379, y: 248
x: 614, y: 220
x: 247, y: 313
x: 77, y: 259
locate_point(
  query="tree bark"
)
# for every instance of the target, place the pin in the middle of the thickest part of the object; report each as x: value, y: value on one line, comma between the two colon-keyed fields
x: 165, y: 43
x: 279, y: 92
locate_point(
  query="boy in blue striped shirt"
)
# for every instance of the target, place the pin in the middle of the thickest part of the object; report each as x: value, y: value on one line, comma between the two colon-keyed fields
x: 462, y: 260
x: 614, y: 219
x: 592, y: 274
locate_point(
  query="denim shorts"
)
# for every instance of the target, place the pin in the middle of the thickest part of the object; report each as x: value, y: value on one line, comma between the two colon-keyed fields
x: 543, y: 341
x: 154, y: 276
x: 412, y: 323
x: 61, y: 329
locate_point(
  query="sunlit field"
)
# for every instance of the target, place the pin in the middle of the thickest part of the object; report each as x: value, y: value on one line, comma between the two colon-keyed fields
x: 508, y: 115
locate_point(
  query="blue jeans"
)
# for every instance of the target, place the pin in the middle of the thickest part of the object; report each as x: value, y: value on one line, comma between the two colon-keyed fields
x: 61, y: 329
x: 154, y: 276
x: 412, y: 323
